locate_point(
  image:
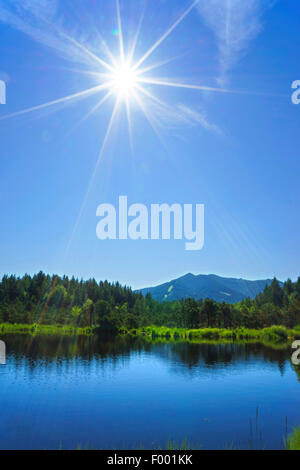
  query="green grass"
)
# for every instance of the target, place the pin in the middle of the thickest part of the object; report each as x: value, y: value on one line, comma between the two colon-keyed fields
x: 184, y: 445
x: 274, y: 334
x: 36, y: 329
x: 293, y: 441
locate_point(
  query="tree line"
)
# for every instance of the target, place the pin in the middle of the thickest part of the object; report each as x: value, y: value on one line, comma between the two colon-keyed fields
x: 55, y: 300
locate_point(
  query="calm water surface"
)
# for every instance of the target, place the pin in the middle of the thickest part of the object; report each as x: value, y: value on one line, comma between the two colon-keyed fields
x: 127, y: 393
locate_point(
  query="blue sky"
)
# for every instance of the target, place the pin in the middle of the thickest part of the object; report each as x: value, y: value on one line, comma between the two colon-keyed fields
x: 237, y: 153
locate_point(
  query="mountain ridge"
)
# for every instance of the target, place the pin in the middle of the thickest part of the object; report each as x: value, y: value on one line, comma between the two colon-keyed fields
x: 201, y: 286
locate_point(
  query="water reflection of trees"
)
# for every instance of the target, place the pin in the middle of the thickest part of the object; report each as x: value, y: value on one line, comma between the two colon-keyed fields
x: 221, y: 355
x: 297, y: 370
x: 55, y: 350
x: 35, y: 351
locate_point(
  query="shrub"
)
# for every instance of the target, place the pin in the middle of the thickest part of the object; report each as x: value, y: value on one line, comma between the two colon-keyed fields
x: 278, y: 333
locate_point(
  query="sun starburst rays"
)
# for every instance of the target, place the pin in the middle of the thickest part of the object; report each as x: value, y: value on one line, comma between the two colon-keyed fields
x: 121, y: 75
x: 126, y: 78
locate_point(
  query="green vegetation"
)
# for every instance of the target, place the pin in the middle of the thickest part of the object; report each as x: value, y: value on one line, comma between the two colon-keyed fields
x: 293, y: 441
x: 276, y: 333
x: 35, y: 329
x: 272, y: 335
x: 184, y: 445
x: 68, y: 305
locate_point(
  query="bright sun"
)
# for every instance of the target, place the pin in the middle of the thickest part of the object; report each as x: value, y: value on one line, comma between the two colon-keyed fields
x: 124, y: 80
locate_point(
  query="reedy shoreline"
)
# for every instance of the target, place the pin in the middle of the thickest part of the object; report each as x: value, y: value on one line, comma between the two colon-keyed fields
x: 274, y: 334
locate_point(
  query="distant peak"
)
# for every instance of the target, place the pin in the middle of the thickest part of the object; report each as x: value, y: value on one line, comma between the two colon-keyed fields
x: 188, y: 275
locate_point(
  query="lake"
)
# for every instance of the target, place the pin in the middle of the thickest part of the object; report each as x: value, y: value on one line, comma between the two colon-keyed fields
x: 125, y: 393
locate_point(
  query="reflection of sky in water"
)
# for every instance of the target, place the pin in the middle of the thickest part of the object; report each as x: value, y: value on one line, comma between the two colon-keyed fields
x: 122, y: 394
